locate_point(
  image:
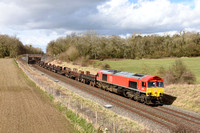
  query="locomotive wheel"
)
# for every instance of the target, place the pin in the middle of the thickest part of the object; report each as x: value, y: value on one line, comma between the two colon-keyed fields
x: 136, y: 96
x: 107, y: 88
x: 125, y: 94
x: 102, y: 86
x: 142, y: 98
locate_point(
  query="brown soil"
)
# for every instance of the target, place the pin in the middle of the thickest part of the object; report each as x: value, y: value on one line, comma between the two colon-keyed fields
x: 24, y: 108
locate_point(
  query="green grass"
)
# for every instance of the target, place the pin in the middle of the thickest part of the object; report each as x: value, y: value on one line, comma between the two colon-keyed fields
x: 84, y: 126
x: 150, y: 66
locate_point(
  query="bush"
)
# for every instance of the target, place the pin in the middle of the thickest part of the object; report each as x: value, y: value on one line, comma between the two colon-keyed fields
x: 177, y: 73
x: 102, y: 65
x: 83, y: 61
x: 72, y: 53
x: 178, y: 69
x: 169, y: 77
x: 106, y: 66
x: 64, y: 57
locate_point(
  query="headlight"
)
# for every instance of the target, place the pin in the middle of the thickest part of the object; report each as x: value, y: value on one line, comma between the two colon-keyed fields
x: 149, y: 93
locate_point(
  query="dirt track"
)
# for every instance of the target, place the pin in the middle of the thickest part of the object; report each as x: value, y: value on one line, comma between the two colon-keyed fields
x: 23, y: 108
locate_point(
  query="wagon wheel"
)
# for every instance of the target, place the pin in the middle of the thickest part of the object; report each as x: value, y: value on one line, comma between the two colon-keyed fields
x: 93, y: 84
x: 98, y: 86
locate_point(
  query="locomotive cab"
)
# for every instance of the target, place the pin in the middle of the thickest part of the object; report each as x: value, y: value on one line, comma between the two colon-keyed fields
x: 154, y: 88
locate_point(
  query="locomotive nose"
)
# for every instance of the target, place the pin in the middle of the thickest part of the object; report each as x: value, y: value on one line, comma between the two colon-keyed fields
x: 157, y: 92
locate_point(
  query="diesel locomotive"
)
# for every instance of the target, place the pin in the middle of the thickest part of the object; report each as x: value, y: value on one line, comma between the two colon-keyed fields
x: 147, y: 89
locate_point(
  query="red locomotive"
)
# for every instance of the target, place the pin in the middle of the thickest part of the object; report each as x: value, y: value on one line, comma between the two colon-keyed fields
x: 144, y: 88
x: 147, y: 89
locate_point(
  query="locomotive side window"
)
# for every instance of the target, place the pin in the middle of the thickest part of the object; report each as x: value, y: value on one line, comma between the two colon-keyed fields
x: 143, y: 84
x: 133, y: 84
x: 104, y: 77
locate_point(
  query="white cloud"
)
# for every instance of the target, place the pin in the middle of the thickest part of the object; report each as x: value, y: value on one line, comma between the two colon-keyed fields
x: 148, y: 16
x: 10, y: 13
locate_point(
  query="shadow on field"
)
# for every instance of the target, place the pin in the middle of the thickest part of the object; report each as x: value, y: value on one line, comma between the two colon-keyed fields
x: 168, y: 99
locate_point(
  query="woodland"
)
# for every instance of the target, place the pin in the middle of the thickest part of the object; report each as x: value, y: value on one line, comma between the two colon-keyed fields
x: 95, y: 46
x: 11, y: 46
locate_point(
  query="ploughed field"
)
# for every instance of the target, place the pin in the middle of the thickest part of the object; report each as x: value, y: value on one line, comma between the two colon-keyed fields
x: 25, y: 108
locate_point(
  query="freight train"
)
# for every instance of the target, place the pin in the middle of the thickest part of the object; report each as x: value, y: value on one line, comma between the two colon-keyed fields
x: 146, y: 89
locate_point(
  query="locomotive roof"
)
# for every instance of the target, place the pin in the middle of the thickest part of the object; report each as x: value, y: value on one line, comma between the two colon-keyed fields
x: 125, y: 74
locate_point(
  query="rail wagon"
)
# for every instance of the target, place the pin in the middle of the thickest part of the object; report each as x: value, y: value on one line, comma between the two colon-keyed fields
x: 144, y: 88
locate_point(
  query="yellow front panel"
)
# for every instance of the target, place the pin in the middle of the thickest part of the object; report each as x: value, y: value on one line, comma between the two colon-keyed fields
x: 155, y: 92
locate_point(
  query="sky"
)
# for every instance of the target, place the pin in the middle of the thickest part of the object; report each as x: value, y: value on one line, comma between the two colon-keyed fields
x: 37, y: 22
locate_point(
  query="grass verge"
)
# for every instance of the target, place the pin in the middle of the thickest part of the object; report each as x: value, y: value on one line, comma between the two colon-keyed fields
x: 81, y: 124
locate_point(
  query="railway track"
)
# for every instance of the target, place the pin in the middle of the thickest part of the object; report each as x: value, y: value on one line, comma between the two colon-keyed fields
x: 163, y: 116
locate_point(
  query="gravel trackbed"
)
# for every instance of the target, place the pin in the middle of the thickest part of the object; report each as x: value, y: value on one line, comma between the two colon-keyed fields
x: 24, y: 108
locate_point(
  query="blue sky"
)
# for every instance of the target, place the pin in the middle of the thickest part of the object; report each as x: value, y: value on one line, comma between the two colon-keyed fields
x: 179, y: 1
x: 37, y: 22
x: 186, y: 2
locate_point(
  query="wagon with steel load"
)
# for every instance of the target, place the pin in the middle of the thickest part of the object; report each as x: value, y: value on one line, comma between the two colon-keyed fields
x: 88, y: 78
